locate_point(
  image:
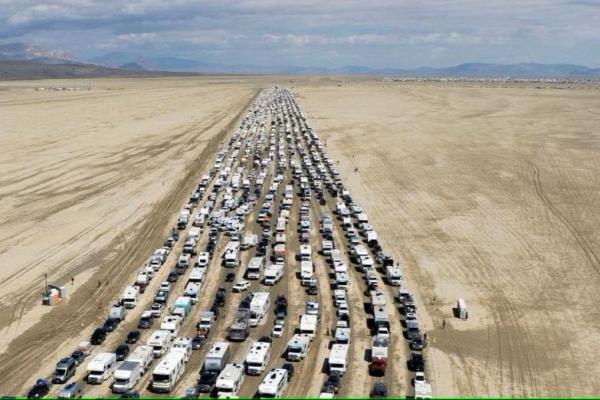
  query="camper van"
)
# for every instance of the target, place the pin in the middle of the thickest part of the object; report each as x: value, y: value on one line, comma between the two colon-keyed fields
x: 232, y: 254
x: 130, y: 296
x: 160, y: 341
x: 298, y: 346
x: 168, y: 371
x: 273, y: 273
x: 274, y: 383
x: 230, y: 381
x: 309, y: 324
x: 337, y: 361
x: 192, y: 290
x: 144, y: 355
x: 307, y: 272
x: 258, y: 358
x: 127, y: 376
x: 393, y: 275
x: 255, y: 267
x: 217, y: 357
x: 101, y: 367
x: 259, y: 305
x: 171, y: 323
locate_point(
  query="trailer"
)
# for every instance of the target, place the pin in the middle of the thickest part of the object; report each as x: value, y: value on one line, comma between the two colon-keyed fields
x: 101, y: 368
x: 379, y: 354
x: 309, y: 324
x: 192, y: 291
x: 197, y: 275
x: 422, y: 390
x: 171, y: 323
x: 307, y: 272
x: 232, y: 254
x: 144, y: 355
x: 240, y: 329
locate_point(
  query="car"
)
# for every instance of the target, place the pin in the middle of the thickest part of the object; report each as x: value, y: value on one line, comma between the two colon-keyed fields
x: 72, y: 390
x: 230, y: 277
x: 173, y: 275
x: 332, y: 382
x: 277, y: 331
x: 416, y: 362
x: 122, y: 351
x: 207, y: 381
x: 133, y: 337
x: 289, y: 367
x: 175, y: 234
x: 166, y: 286
x: 78, y: 356
x: 130, y: 395
x: 241, y: 286
x: 161, y: 296
x: 145, y: 320
x: 39, y: 389
x: 111, y: 324
x: 192, y: 392
x: 265, y: 339
x: 98, y: 337
x: 312, y: 290
x: 197, y: 342
x: 417, y: 343
x: 156, y: 309
x: 419, y: 377
x: 379, y: 390
x: 169, y: 243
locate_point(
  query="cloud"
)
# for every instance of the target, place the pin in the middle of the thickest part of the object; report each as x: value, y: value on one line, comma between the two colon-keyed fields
x: 379, y: 33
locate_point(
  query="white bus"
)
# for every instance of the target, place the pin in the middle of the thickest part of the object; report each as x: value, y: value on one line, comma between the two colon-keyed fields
x: 168, y: 371
x: 274, y: 384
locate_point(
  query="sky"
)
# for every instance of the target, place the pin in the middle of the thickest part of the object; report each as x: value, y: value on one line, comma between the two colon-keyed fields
x: 323, y: 33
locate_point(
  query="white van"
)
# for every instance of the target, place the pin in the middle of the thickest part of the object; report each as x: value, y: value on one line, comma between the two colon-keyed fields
x: 130, y: 296
x: 101, y: 367
x: 393, y: 275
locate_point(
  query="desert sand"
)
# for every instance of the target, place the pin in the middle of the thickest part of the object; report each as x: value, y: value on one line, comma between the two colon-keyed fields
x: 490, y: 194
x: 485, y: 193
x: 90, y: 182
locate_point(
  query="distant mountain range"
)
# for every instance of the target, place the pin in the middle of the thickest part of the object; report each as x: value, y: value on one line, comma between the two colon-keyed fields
x: 37, y: 61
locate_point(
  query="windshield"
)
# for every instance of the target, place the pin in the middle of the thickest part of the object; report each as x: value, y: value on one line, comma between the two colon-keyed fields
x: 336, y: 365
x: 121, y: 382
x: 160, y: 378
x: 157, y: 348
x: 60, y: 371
x: 225, y: 390
x: 254, y: 364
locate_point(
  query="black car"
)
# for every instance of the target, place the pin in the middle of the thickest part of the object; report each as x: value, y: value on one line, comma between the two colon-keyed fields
x: 265, y: 339
x: 110, y: 324
x: 133, y: 337
x: 215, y: 309
x: 417, y: 343
x: 78, y: 356
x: 173, y: 275
x: 98, y: 337
x: 130, y: 395
x: 175, y: 234
x: 145, y: 323
x: 197, y: 342
x: 379, y: 390
x: 207, y: 381
x: 230, y: 277
x: 416, y: 362
x: 170, y: 242
x: 290, y: 369
x: 312, y: 290
x: 122, y: 351
x: 39, y: 390
x: 220, y: 297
